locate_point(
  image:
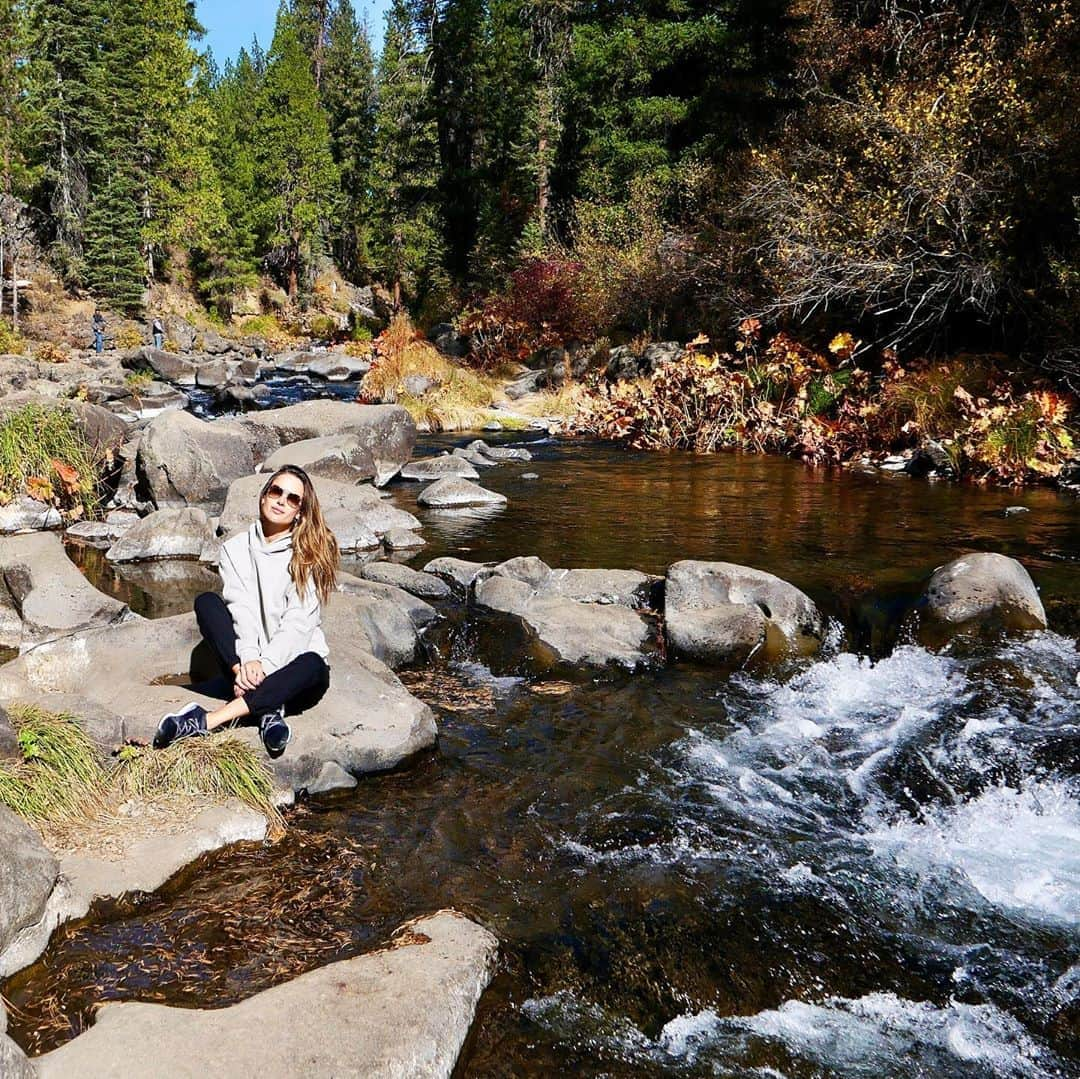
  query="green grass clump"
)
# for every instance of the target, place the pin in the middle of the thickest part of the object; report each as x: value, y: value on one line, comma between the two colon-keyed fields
x: 11, y: 343
x: 62, y: 777
x: 43, y: 453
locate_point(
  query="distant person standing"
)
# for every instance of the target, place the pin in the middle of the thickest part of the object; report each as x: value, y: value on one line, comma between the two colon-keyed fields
x: 97, y: 323
x: 157, y: 328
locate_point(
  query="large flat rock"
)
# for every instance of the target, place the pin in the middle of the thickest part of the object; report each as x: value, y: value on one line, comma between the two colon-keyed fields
x: 357, y: 515
x: 385, y: 432
x: 28, y: 872
x: 366, y: 722
x: 51, y: 597
x: 403, y: 1011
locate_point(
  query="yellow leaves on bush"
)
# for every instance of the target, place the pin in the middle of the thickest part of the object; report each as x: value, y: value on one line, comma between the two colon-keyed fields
x: 39, y: 488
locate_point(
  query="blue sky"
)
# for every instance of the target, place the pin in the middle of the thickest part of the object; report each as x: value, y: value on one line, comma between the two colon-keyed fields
x: 230, y: 24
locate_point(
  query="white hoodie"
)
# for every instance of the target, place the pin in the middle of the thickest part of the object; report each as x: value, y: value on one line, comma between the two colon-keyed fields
x: 272, y: 623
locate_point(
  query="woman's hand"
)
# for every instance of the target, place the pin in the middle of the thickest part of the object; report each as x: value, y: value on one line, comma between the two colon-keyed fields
x: 249, y: 675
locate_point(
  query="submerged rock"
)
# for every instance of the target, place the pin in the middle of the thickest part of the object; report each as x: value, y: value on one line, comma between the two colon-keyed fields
x: 402, y: 1010
x: 451, y: 492
x: 984, y: 591
x: 49, y: 594
x: 401, y: 539
x: 719, y: 612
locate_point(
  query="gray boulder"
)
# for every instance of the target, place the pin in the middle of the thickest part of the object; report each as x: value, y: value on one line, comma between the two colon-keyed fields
x: 50, y: 595
x: 474, y: 457
x: 390, y: 618
x: 28, y: 872
x: 211, y: 374
x: 401, y: 539
x: 172, y: 533
x: 457, y: 572
x: 499, y: 453
x: 354, y: 1017
x: 212, y: 342
x: 181, y: 332
x: 433, y: 468
x: 357, y: 515
x: 627, y: 363
x: 25, y: 514
x: 424, y: 585
x: 387, y: 431
x: 719, y: 612
x: 523, y: 385
x: 451, y: 492
x: 169, y: 366
x: 984, y: 590
x: 337, y: 367
x: 449, y: 342
x: 560, y: 631
x: 626, y: 587
x: 346, y: 457
x: 417, y: 385
x: 185, y: 461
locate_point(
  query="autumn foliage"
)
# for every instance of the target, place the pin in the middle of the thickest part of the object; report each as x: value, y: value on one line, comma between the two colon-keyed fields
x: 783, y: 397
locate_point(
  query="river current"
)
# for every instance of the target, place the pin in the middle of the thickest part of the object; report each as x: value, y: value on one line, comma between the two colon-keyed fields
x: 865, y: 865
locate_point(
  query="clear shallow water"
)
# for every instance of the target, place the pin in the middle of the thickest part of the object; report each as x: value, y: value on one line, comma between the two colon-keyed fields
x: 862, y: 866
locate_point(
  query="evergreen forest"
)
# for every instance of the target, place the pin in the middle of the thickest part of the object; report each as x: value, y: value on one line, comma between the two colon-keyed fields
x: 908, y: 174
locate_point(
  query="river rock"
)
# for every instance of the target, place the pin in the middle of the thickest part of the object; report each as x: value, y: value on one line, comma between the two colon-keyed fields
x: 185, y: 461
x: 25, y: 514
x: 433, y: 468
x: 424, y: 585
x: 390, y: 617
x: 211, y: 374
x: 355, y: 514
x: 984, y: 590
x: 346, y: 457
x: 474, y: 457
x: 337, y: 367
x: 401, y: 539
x: 562, y: 631
x: 500, y: 453
x: 212, y: 342
x: 171, y: 533
x: 725, y: 613
x: 169, y: 366
x: 402, y: 1010
x: 10, y: 619
x: 626, y: 587
x: 367, y: 721
x: 51, y: 596
x: 28, y: 872
x: 14, y: 1063
x: 452, y: 492
x: 457, y: 572
x: 625, y: 362
x: 239, y: 395
x: 387, y: 430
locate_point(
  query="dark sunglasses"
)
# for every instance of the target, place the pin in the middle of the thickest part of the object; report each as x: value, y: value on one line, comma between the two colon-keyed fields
x: 274, y: 491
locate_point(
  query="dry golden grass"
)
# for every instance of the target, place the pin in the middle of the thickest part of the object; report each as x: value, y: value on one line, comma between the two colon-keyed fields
x: 460, y: 399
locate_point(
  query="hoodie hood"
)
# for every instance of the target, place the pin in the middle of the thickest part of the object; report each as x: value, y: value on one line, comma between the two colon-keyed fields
x: 260, y: 542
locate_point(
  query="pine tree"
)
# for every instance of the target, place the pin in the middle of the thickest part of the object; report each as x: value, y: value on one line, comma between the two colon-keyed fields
x: 312, y: 19
x: 407, y: 222
x: 348, y: 94
x: 296, y: 171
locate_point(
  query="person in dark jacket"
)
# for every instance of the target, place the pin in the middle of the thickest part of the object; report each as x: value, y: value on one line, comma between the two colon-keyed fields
x: 97, y: 324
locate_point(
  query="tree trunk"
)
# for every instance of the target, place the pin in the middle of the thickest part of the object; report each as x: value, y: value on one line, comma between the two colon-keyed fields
x: 14, y: 294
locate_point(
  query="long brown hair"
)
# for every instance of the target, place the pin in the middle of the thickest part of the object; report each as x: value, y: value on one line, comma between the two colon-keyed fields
x: 315, y: 554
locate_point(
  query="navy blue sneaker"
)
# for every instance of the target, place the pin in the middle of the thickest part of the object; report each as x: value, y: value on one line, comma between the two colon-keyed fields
x: 189, y: 722
x: 274, y: 732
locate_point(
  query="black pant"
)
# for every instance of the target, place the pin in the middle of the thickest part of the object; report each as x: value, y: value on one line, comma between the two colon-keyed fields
x: 298, y: 685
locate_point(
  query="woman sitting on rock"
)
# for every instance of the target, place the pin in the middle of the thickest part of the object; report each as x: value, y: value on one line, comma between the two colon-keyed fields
x: 266, y: 628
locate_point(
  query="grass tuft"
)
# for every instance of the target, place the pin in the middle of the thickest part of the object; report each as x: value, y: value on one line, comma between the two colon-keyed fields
x: 63, y: 778
x: 44, y: 454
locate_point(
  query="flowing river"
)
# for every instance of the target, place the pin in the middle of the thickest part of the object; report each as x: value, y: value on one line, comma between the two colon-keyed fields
x: 866, y: 865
